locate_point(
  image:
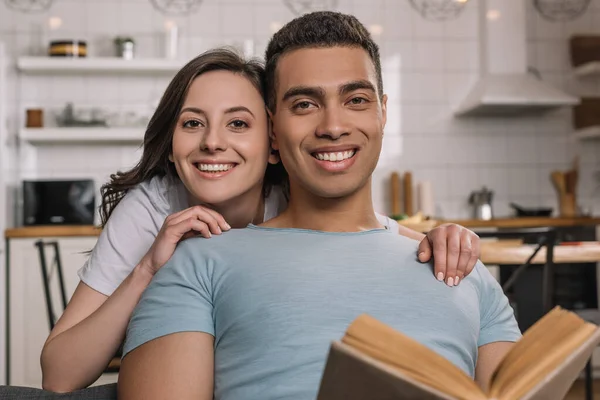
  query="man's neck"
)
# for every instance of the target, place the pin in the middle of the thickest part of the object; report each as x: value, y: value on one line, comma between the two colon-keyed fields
x: 352, y: 213
x: 242, y: 210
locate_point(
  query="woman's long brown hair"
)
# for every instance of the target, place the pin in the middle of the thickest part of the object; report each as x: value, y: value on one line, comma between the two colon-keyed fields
x: 159, y: 133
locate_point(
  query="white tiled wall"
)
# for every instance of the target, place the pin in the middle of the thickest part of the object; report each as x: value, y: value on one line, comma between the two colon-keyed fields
x: 427, y: 68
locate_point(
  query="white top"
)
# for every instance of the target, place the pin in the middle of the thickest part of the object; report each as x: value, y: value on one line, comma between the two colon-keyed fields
x: 137, y: 219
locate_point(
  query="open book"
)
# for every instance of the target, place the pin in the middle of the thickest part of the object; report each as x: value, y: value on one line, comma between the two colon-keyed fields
x: 375, y: 362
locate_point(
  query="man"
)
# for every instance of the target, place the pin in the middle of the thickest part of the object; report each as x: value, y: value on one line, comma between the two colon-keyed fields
x: 255, y: 310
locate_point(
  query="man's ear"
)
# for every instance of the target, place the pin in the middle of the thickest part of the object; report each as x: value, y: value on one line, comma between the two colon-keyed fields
x: 384, y: 109
x: 272, y: 134
x: 274, y: 154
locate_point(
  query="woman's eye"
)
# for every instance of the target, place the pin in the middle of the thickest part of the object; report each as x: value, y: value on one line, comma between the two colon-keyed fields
x: 238, y: 124
x: 192, y: 123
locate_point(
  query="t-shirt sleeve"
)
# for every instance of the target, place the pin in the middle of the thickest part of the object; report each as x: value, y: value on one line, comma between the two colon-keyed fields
x: 125, y: 239
x: 498, y: 322
x: 179, y: 299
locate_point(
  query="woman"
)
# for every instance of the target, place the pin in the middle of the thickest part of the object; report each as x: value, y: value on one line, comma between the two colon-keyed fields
x: 207, y: 166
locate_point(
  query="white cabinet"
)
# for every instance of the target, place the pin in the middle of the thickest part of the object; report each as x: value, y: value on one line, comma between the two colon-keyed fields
x: 29, y: 325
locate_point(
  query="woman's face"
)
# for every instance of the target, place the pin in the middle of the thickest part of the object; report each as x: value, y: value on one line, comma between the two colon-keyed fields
x: 221, y: 143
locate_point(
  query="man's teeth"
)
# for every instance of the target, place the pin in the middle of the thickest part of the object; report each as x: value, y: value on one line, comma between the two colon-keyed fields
x: 215, y: 167
x: 339, y: 156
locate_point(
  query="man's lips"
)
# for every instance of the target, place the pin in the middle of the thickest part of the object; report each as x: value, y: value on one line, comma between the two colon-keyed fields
x: 334, y: 156
x: 335, y: 160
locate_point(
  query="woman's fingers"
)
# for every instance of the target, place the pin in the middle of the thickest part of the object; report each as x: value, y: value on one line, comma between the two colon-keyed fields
x: 211, y: 218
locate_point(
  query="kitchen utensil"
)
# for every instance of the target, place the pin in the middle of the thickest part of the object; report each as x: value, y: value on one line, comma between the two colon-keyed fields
x: 395, y: 189
x: 531, y: 212
x: 481, y: 201
x: 67, y: 48
x: 565, y: 184
x: 408, y: 194
x: 124, y: 47
x: 568, y: 205
x: 558, y: 179
x: 574, y: 175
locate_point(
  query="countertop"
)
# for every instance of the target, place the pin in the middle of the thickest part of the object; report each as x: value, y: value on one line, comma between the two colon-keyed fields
x: 52, y: 231
x: 529, y: 222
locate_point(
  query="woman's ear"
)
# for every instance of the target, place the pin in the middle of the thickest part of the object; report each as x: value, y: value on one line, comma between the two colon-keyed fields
x: 171, y: 157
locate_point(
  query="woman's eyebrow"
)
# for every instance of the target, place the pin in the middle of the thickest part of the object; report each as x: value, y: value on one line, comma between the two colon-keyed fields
x: 195, y: 110
x: 238, y: 109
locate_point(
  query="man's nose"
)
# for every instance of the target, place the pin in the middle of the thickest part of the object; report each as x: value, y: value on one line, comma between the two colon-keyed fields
x: 333, y: 125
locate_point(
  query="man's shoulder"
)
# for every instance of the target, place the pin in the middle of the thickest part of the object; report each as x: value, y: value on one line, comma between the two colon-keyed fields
x: 222, y: 244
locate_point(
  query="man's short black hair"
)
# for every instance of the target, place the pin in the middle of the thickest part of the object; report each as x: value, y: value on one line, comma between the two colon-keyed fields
x: 318, y: 29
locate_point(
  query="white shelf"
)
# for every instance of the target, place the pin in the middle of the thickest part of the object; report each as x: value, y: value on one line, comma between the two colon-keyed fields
x: 588, y: 69
x: 84, y: 135
x: 96, y: 64
x: 592, y: 132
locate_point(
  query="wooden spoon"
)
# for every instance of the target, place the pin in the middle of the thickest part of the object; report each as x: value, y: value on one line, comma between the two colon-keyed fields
x: 558, y: 179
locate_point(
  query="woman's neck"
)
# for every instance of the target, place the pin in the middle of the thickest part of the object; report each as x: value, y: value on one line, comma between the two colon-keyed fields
x: 242, y: 210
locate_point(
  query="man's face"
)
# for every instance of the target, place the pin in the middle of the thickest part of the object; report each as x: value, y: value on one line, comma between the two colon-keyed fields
x: 329, y: 120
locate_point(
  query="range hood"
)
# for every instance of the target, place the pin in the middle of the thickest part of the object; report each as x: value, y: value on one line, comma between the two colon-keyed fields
x: 505, y: 87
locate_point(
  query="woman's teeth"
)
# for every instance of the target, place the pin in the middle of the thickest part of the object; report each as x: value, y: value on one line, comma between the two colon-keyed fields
x: 336, y: 156
x: 214, y: 167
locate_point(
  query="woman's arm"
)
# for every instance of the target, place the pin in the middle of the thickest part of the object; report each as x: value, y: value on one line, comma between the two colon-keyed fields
x: 92, y: 328
x: 89, y: 333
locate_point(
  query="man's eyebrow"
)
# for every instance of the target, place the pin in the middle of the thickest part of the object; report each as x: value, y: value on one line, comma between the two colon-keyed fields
x: 238, y: 109
x: 309, y: 91
x: 356, y: 85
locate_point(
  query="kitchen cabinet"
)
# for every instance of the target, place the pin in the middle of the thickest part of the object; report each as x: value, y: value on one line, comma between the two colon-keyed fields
x: 28, y: 320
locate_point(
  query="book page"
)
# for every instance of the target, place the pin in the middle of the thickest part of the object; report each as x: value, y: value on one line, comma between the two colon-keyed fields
x: 542, y: 349
x: 387, y: 345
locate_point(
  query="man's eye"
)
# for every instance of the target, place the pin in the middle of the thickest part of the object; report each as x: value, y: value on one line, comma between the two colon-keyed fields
x: 358, y: 100
x: 238, y: 124
x: 192, y: 123
x: 303, y: 105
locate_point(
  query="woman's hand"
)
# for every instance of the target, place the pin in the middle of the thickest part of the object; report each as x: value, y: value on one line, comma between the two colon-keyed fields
x: 193, y: 221
x: 455, y: 252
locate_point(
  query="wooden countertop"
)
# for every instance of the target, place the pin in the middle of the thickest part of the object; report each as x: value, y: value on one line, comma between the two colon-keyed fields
x: 528, y: 222
x: 514, y: 223
x: 507, y: 252
x: 525, y: 222
x: 52, y: 231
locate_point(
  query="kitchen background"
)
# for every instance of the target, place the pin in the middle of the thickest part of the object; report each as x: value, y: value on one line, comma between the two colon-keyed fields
x: 429, y: 66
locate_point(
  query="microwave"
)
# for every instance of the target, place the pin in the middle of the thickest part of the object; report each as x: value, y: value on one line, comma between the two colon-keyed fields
x: 59, y: 202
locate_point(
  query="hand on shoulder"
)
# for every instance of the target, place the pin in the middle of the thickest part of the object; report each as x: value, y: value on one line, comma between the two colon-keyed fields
x: 193, y: 221
x: 455, y: 251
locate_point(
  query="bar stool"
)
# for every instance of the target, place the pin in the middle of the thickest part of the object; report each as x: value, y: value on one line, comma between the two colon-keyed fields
x: 47, y: 273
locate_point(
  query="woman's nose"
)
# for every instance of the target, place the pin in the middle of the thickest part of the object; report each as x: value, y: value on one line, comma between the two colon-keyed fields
x: 213, y: 141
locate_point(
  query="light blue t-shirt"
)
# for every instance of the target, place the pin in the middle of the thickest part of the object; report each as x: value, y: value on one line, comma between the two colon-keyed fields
x: 275, y: 299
